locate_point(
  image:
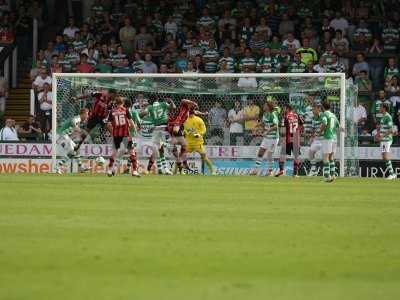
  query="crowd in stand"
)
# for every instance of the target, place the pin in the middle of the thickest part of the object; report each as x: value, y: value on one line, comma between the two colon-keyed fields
x: 358, y: 37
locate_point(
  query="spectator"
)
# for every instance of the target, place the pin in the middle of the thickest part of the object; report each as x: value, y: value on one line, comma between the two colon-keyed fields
x: 210, y: 58
x: 296, y: 66
x: 103, y: 66
x: 143, y: 39
x: 60, y: 46
x: 291, y: 43
x: 247, y: 82
x: 339, y: 23
x: 248, y: 61
x: 41, y: 79
x: 216, y: 121
x: 364, y: 86
x: 55, y: 66
x: 286, y: 26
x: 235, y: 118
x: 257, y: 43
x: 264, y: 30
x: 149, y: 66
x: 228, y: 59
x: 391, y: 70
x: 224, y: 83
x: 70, y: 30
x: 340, y: 44
x: 320, y: 67
x: 171, y: 27
x: 307, y: 54
x: 335, y: 66
x: 30, y: 130
x: 3, y: 94
x: 251, y: 114
x: 181, y: 63
x: 375, y: 111
x: 84, y: 66
x: 138, y: 63
x: 247, y: 30
x: 390, y: 37
x: 268, y: 63
x: 360, y: 65
x: 393, y: 87
x: 360, y: 117
x: 8, y: 132
x: 127, y: 35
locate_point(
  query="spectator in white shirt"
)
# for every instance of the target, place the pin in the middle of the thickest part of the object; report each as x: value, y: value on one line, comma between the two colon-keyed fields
x: 171, y: 27
x: 360, y: 117
x: 247, y: 82
x: 149, y: 66
x: 41, y: 79
x: 70, y: 30
x: 339, y: 23
x: 8, y: 132
x: 235, y: 118
x: 291, y: 43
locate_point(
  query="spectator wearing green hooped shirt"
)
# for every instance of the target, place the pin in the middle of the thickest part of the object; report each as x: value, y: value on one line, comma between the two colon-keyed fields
x: 391, y: 70
x: 268, y: 63
x: 390, y: 37
x: 247, y: 61
x: 228, y: 59
x: 385, y: 137
x: 211, y: 57
x: 296, y: 66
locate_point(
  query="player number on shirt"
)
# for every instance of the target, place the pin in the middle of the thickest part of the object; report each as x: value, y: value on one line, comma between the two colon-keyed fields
x: 120, y: 120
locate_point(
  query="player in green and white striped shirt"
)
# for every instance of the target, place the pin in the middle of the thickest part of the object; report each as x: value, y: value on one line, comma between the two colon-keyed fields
x: 316, y: 144
x: 329, y: 127
x: 270, y: 127
x: 68, y: 134
x: 385, y: 136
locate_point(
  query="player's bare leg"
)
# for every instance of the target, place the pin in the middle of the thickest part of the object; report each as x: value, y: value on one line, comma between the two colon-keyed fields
x: 259, y: 159
x: 311, y: 156
x: 270, y: 163
x: 282, y: 159
x: 134, y: 164
x: 208, y: 162
x: 326, y: 169
x: 296, y: 154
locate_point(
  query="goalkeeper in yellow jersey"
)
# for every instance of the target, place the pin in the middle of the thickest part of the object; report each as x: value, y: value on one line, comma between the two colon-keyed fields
x: 194, y: 130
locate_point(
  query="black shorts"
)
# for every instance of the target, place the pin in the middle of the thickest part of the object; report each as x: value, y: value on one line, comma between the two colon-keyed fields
x: 118, y: 141
x: 289, y: 148
x: 93, y: 122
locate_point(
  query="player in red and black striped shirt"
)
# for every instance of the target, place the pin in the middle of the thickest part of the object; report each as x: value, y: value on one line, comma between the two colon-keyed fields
x: 119, y: 122
x: 291, y: 143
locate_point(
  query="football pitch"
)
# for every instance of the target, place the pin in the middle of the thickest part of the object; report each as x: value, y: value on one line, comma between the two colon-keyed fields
x: 197, y: 237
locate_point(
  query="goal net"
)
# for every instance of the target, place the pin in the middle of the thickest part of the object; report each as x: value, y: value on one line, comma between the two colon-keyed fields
x: 231, y: 142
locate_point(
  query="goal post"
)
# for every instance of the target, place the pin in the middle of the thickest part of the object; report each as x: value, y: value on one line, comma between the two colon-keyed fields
x: 206, y: 88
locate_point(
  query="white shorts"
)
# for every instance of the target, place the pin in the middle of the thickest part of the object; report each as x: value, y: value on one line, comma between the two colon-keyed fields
x: 160, y: 136
x: 316, y: 146
x: 385, y: 146
x: 65, y: 145
x: 269, y: 144
x: 328, y: 146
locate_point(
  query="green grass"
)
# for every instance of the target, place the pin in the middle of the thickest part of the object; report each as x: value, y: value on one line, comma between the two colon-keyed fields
x: 92, y: 237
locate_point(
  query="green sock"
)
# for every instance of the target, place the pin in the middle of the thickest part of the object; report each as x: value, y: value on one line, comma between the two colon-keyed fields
x: 159, y: 164
x: 389, y: 167
x: 326, y: 169
x: 332, y: 167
